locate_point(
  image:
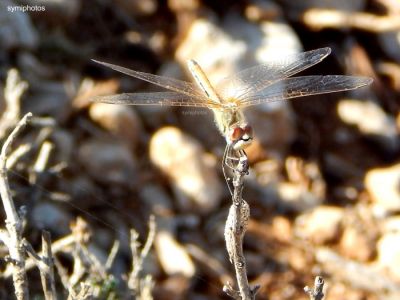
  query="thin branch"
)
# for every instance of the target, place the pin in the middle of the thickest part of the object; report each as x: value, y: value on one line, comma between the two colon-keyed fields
x: 45, y: 264
x: 141, y: 287
x: 13, y: 221
x: 317, y: 292
x: 112, y: 255
x: 13, y: 91
x: 235, y: 228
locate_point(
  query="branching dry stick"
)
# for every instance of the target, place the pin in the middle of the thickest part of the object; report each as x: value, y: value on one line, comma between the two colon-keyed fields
x: 141, y: 287
x: 13, y: 240
x: 13, y: 91
x: 235, y: 228
x: 317, y: 292
x: 45, y: 264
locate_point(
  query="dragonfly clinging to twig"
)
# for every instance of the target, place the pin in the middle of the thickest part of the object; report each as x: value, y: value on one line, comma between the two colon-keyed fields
x: 264, y: 83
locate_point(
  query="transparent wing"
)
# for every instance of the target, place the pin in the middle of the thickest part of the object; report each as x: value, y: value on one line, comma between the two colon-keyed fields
x: 183, y: 87
x: 158, y: 98
x: 305, y: 86
x: 259, y: 77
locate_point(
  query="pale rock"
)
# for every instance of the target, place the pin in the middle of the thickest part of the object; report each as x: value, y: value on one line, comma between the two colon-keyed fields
x: 138, y: 8
x: 173, y: 257
x: 370, y: 119
x: 390, y: 43
x: 50, y: 216
x: 108, y: 161
x: 321, y: 225
x: 183, y: 160
x: 382, y: 185
x: 389, y: 253
x: 118, y: 119
x: 391, y: 224
x: 16, y: 28
x: 355, y: 244
x: 236, y: 44
x: 305, y: 188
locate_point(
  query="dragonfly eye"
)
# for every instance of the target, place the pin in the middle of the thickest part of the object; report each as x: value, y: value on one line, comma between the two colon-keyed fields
x: 248, y: 130
x: 237, y: 133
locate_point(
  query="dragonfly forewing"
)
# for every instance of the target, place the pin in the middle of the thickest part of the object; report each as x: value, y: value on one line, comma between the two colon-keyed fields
x: 172, y: 84
x: 304, y: 86
x: 156, y: 98
x: 255, y: 79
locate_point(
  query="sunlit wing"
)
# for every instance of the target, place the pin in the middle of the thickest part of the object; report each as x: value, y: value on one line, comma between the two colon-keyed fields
x: 304, y: 86
x: 183, y: 87
x: 157, y: 98
x: 257, y: 78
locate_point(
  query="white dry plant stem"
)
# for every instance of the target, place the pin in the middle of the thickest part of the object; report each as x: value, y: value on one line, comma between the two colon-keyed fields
x: 45, y: 264
x: 235, y: 228
x: 13, y: 237
x: 13, y: 91
x: 141, y: 287
x: 317, y: 292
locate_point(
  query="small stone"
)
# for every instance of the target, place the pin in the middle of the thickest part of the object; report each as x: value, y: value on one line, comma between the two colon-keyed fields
x: 194, y: 179
x: 390, y: 43
x: 51, y: 216
x: 370, y: 119
x: 157, y: 199
x: 282, y: 229
x: 138, y: 7
x: 108, y: 161
x: 183, y: 5
x: 16, y: 29
x: 65, y: 144
x: 389, y: 253
x: 322, y: 225
x: 383, y: 186
x: 356, y: 245
x: 118, y: 119
x: 173, y: 257
x: 49, y: 98
x: 305, y: 188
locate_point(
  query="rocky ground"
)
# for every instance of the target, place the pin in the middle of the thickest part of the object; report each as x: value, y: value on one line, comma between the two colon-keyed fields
x: 323, y: 188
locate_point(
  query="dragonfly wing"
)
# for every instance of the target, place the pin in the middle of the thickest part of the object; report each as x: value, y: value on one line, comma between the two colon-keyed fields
x: 259, y: 77
x: 158, y: 98
x: 179, y: 86
x: 305, y: 86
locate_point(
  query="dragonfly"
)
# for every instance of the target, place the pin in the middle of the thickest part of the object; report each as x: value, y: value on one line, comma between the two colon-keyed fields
x: 268, y: 82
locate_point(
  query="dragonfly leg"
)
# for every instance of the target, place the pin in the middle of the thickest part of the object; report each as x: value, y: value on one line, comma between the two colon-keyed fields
x: 234, y: 161
x: 226, y: 164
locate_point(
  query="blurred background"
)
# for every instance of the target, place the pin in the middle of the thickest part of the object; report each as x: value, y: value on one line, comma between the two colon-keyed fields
x: 324, y: 185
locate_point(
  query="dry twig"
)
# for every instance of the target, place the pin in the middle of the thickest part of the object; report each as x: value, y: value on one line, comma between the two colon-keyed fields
x: 13, y: 238
x: 235, y: 228
x: 45, y: 264
x: 141, y: 287
x: 13, y: 91
x: 316, y: 293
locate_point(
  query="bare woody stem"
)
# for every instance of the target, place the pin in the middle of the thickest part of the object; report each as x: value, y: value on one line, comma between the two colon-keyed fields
x: 235, y: 229
x: 316, y: 293
x: 13, y: 240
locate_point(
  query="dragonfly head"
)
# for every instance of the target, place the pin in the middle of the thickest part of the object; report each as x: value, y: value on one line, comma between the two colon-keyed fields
x: 240, y: 136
